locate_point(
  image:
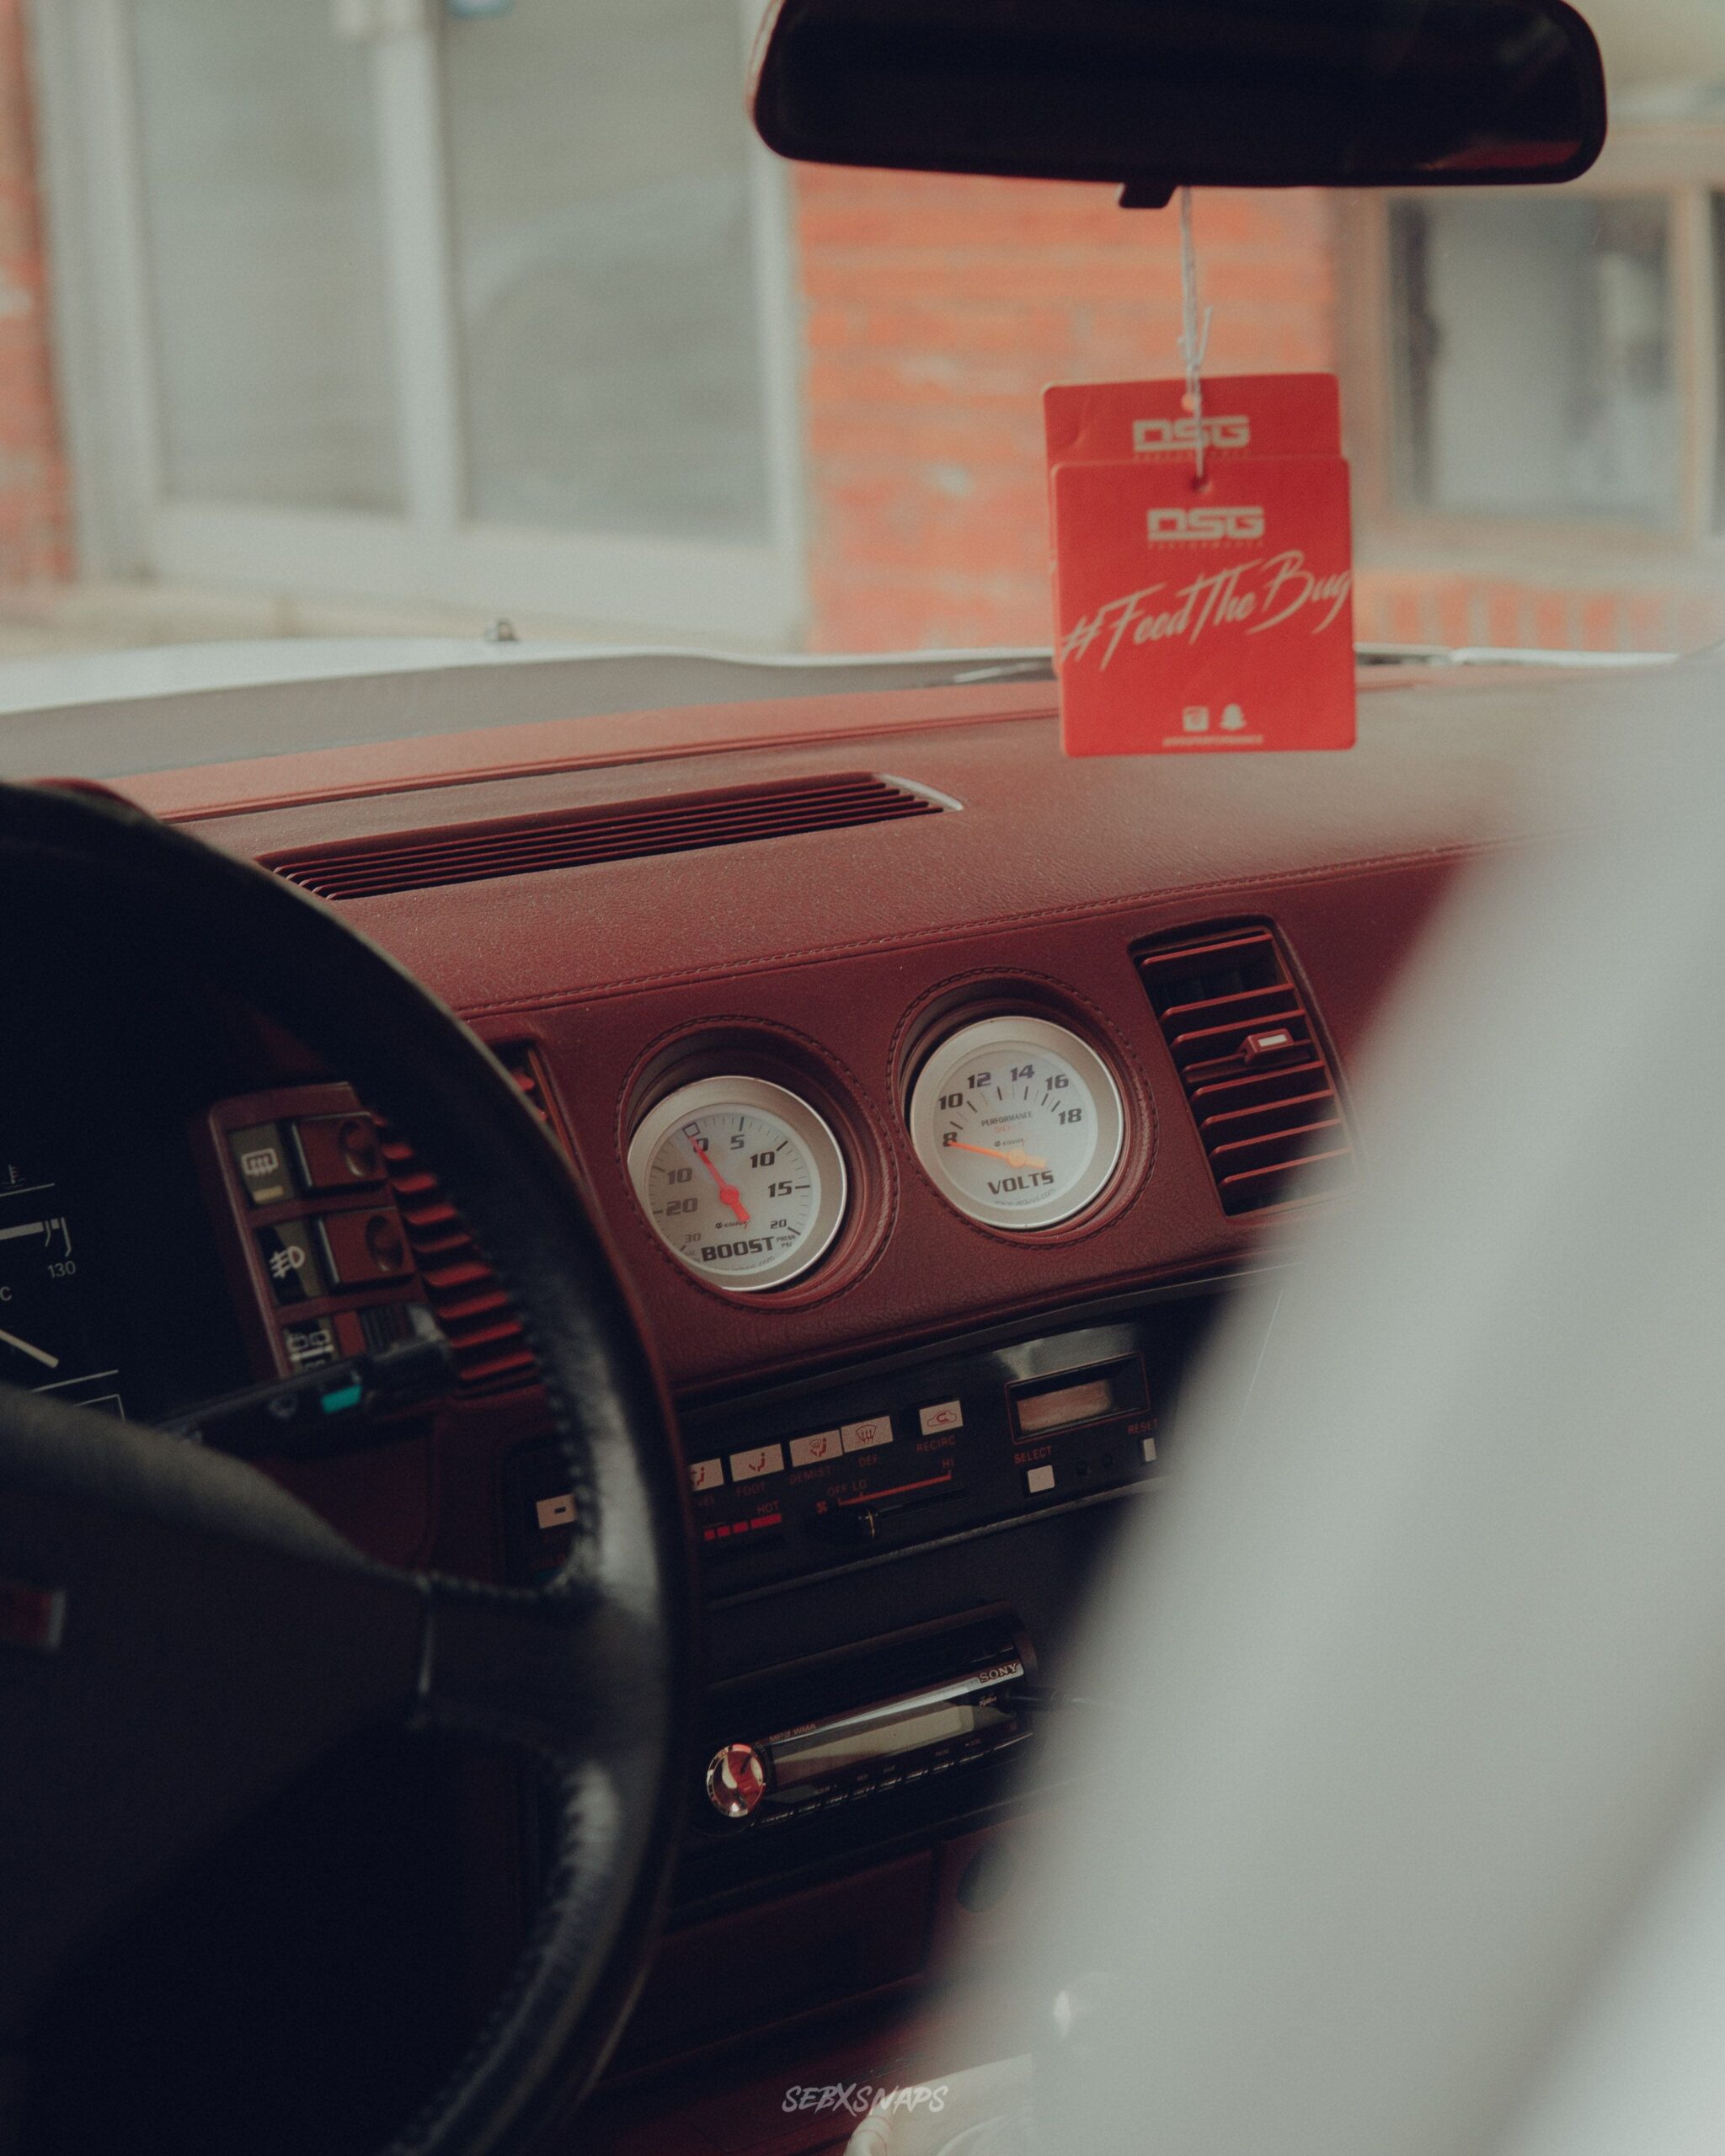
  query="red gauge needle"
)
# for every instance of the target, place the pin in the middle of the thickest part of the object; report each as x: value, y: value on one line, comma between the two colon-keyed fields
x: 1017, y: 1158
x: 728, y: 1192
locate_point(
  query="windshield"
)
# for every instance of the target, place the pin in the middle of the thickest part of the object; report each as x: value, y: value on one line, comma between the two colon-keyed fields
x: 450, y: 319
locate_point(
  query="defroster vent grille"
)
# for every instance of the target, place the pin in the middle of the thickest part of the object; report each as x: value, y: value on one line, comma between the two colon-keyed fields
x: 484, y: 1334
x: 1253, y: 1064
x: 573, y: 838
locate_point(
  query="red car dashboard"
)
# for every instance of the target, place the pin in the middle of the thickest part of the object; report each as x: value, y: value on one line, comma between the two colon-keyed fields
x: 932, y: 1090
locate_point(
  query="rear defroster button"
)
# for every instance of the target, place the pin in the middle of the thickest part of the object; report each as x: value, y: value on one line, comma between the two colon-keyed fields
x: 736, y: 1780
x: 258, y: 1155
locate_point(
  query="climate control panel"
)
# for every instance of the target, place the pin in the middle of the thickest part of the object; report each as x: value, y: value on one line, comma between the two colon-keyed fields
x: 950, y: 1441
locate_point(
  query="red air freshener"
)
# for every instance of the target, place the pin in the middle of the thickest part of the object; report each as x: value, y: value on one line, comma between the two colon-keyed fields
x: 1211, y: 616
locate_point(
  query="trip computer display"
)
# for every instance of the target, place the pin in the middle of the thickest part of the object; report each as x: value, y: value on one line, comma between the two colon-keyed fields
x: 53, y: 1336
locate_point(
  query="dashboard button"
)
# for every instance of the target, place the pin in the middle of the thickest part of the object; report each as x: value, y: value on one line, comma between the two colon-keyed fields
x: 761, y: 1459
x: 1039, y: 1479
x: 309, y: 1346
x: 290, y: 1258
x: 336, y: 1152
x: 864, y: 1437
x: 1150, y: 1448
x: 706, y: 1474
x: 944, y: 1415
x: 360, y: 1247
x: 810, y: 1451
x: 261, y: 1161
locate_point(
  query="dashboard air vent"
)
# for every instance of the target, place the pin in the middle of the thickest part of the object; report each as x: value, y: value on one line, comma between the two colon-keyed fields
x: 522, y: 1065
x: 573, y: 838
x: 485, y: 1335
x: 1253, y: 1066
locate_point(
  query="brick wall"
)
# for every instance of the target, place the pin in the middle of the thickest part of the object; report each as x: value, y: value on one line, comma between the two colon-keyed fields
x: 935, y: 312
x: 35, y: 526
x: 1458, y: 606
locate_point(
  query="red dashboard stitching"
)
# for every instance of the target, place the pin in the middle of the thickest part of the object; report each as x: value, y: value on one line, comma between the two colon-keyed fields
x: 596, y: 760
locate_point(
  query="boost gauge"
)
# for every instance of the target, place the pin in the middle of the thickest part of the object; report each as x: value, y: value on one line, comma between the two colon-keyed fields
x: 1017, y: 1121
x: 744, y: 1181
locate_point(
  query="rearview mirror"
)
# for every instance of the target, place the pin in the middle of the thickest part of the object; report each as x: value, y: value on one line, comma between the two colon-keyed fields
x: 1160, y: 93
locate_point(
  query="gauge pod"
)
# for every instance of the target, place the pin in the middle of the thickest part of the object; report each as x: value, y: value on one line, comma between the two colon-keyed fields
x: 744, y: 1181
x: 1018, y: 1122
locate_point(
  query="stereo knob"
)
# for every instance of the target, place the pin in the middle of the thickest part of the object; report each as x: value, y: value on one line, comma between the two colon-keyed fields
x: 736, y: 1780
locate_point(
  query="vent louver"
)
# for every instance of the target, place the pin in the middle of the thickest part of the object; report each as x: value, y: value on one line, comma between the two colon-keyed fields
x: 484, y: 1334
x: 1253, y: 1066
x: 527, y: 845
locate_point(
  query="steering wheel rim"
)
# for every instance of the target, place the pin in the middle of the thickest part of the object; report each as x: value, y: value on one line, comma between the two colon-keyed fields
x: 514, y: 1664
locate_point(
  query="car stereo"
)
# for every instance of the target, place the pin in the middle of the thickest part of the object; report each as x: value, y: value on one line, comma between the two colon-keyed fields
x: 876, y: 1746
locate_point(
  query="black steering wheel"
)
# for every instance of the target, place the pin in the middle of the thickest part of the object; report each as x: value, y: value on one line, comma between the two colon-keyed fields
x: 178, y: 1636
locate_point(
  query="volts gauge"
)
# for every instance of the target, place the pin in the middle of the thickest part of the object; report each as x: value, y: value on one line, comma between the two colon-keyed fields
x: 1017, y: 1121
x: 742, y: 1179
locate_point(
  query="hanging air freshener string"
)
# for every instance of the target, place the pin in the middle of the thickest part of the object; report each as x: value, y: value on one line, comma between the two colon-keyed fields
x: 1194, y: 336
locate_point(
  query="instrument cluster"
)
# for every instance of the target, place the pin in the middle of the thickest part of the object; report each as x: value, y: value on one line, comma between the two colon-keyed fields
x: 56, y: 1329
x: 1018, y: 1121
x: 111, y: 1293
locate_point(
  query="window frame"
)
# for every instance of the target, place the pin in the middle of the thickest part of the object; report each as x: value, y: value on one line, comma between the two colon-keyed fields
x: 1684, y: 163
x: 433, y: 554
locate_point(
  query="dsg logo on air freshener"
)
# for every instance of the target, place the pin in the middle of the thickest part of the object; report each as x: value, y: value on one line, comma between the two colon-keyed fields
x: 1227, y: 430
x: 1203, y: 521
x: 1209, y: 616
x: 1255, y: 415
